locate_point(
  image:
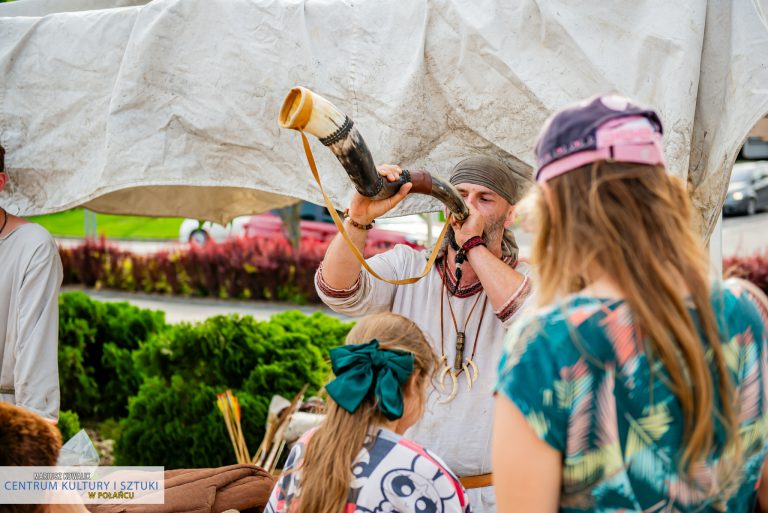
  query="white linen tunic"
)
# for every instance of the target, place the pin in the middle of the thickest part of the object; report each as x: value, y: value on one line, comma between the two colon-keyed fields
x: 460, y: 431
x: 29, y: 320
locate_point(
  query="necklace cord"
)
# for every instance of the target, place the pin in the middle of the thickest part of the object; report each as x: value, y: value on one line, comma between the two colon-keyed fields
x: 453, y: 317
x: 477, y: 335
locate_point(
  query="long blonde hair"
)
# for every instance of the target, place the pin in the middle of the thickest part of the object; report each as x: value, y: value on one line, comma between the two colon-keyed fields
x: 634, y: 223
x: 326, y: 470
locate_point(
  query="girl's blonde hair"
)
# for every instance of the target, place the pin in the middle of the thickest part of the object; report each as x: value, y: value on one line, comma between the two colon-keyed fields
x: 634, y: 223
x: 326, y: 470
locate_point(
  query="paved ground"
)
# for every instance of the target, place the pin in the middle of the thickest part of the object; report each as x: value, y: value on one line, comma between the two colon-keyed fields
x: 745, y: 234
x: 197, y: 309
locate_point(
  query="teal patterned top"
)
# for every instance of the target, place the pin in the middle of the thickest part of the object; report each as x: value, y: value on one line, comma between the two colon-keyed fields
x: 580, y: 376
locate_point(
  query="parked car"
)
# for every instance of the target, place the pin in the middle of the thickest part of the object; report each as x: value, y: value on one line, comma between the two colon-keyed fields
x: 748, y: 189
x: 192, y: 230
x: 316, y: 224
x: 270, y: 225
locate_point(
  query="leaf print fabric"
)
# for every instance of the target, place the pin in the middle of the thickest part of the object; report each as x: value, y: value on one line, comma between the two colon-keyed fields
x: 578, y: 372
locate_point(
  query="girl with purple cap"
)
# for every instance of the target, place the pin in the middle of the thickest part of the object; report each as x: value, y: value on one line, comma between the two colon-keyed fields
x: 638, y: 384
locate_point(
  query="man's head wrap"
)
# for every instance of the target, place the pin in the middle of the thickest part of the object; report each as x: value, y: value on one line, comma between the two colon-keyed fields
x: 505, y: 180
x: 508, y: 181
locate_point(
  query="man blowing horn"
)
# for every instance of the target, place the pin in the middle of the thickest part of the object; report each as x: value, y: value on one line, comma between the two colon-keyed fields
x: 464, y: 304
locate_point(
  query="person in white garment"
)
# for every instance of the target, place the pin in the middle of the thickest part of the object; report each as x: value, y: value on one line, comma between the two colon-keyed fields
x: 29, y: 313
x: 464, y: 316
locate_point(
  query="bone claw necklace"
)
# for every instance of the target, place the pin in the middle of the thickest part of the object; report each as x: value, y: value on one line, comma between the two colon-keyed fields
x: 460, y: 364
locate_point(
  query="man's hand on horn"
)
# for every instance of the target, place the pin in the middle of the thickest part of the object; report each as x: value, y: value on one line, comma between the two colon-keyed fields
x: 472, y: 226
x: 364, y: 210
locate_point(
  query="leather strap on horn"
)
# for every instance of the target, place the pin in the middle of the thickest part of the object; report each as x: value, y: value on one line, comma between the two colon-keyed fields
x: 340, y: 225
x: 422, y: 182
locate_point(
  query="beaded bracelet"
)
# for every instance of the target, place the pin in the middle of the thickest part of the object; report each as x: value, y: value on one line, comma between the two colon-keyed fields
x: 355, y: 223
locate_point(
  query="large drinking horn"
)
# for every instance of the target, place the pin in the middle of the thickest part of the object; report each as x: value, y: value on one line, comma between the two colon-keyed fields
x: 304, y: 110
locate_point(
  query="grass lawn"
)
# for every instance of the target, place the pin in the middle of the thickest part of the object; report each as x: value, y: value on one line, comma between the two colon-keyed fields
x: 72, y: 224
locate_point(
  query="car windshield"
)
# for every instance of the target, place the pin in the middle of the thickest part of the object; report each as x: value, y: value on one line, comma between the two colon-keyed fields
x: 742, y: 173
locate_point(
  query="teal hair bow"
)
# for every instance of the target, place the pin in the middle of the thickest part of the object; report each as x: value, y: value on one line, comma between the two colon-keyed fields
x: 362, y: 367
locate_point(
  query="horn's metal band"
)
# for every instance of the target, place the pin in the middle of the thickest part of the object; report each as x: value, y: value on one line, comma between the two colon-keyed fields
x: 338, y: 134
x: 405, y: 177
x: 378, y: 186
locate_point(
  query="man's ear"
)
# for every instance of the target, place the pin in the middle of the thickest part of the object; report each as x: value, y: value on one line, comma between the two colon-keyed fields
x: 509, y: 219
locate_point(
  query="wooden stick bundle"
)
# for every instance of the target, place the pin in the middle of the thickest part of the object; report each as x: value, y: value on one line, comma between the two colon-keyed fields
x: 230, y: 409
x: 273, y: 444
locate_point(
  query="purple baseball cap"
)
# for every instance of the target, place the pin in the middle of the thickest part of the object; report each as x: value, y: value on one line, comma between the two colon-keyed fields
x: 610, y: 128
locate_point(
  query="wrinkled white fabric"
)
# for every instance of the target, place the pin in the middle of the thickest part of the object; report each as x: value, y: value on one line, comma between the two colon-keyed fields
x: 44, y: 7
x: 102, y: 107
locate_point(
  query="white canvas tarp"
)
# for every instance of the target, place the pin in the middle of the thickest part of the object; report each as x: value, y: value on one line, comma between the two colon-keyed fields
x: 44, y: 7
x: 170, y: 108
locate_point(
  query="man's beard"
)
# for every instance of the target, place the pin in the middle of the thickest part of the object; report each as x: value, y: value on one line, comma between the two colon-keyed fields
x: 494, y: 231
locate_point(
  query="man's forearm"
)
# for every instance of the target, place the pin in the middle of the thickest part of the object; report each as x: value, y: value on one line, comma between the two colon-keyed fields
x: 340, y: 266
x: 499, y: 280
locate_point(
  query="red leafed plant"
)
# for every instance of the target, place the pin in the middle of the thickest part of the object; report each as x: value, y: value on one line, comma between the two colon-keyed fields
x: 243, y: 268
x: 753, y: 268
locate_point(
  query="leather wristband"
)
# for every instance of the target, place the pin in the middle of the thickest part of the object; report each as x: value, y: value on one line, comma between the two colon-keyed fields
x: 356, y: 224
x: 472, y: 242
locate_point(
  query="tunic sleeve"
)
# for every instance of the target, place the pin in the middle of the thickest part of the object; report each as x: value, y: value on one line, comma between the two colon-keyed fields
x: 36, y: 374
x: 517, y: 300
x: 515, y: 304
x: 368, y: 294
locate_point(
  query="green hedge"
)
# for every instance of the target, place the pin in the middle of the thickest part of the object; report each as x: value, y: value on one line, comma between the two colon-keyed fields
x: 95, y: 344
x: 183, y: 368
x: 176, y: 425
x: 161, y: 380
x: 69, y: 425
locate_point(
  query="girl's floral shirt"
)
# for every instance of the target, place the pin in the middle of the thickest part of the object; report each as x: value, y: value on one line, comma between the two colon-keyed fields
x: 580, y: 375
